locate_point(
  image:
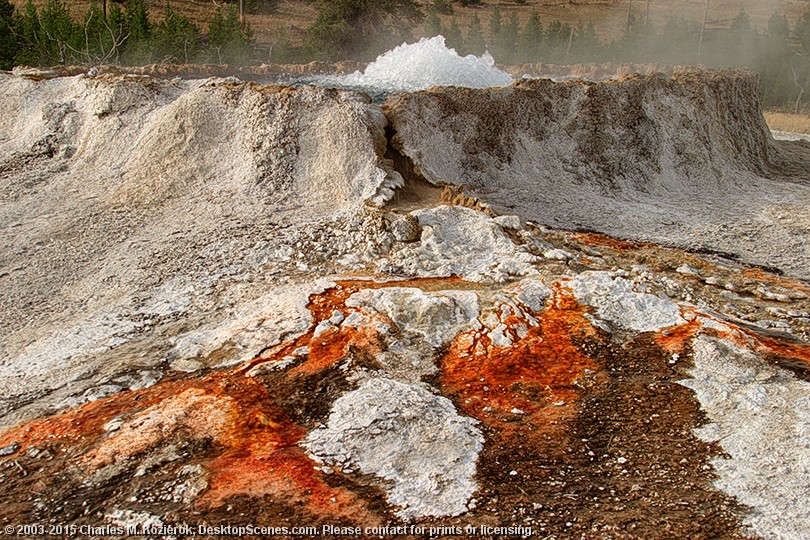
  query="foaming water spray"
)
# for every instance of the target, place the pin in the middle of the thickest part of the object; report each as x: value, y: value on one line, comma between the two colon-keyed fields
x: 418, y: 66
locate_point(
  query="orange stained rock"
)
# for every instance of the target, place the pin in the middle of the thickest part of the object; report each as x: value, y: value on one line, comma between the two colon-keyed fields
x: 426, y: 284
x: 254, y: 450
x: 198, y: 413
x: 254, y: 445
x: 84, y: 425
x: 675, y: 340
x: 286, y: 475
x: 262, y: 458
x: 536, y: 375
x: 779, y: 281
x: 798, y: 352
x: 332, y: 345
x: 601, y: 240
x: 329, y: 347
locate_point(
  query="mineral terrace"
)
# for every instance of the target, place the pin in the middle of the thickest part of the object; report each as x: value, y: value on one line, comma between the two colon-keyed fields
x: 576, y: 309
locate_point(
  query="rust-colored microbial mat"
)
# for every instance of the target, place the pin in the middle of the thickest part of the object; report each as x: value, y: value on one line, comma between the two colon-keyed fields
x: 530, y: 385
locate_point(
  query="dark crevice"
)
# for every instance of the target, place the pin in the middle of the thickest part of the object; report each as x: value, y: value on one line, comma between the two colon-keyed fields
x: 402, y: 163
x: 417, y: 191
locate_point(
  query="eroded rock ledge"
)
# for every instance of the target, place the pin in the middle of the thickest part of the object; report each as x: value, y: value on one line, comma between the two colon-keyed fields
x: 686, y: 160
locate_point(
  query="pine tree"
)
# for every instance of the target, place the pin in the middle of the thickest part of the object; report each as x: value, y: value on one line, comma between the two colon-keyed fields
x: 556, y: 41
x: 262, y: 6
x: 283, y: 50
x: 118, y: 31
x: 176, y: 37
x: 8, y: 40
x: 776, y: 55
x: 802, y: 32
x: 531, y: 40
x: 442, y: 7
x: 475, y: 42
x: 801, y: 66
x: 228, y: 44
x: 453, y: 36
x: 97, y: 42
x: 506, y: 46
x: 433, y: 25
x: 137, y: 15
x: 495, y: 26
x: 676, y: 41
x: 586, y: 45
x: 138, y: 48
x: 357, y: 28
x: 28, y: 31
x: 742, y: 43
x: 61, y: 38
x: 632, y: 44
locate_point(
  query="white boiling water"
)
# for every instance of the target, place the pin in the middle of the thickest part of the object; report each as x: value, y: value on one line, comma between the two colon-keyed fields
x: 421, y: 65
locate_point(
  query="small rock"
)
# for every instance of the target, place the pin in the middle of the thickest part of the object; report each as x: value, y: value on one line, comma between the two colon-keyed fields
x: 404, y: 228
x: 187, y: 365
x: 765, y: 323
x: 10, y: 449
x: 687, y: 270
x: 322, y: 328
x: 557, y: 254
x: 508, y: 222
x: 268, y: 367
x: 113, y: 425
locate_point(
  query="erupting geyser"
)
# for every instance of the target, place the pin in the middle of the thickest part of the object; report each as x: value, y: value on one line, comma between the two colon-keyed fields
x: 422, y: 65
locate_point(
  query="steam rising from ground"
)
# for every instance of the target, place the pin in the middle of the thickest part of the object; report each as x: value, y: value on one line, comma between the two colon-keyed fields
x: 421, y: 65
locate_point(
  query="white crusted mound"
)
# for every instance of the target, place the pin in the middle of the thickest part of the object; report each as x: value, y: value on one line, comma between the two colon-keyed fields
x: 459, y: 241
x: 216, y: 138
x: 617, y: 301
x: 128, y: 204
x: 760, y: 415
x: 436, y: 317
x: 408, y: 436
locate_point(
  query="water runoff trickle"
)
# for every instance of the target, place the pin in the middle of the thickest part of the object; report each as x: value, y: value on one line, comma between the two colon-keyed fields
x: 416, y: 66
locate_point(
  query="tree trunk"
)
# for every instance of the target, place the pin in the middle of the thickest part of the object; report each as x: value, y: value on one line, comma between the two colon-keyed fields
x: 798, y: 106
x: 629, y: 14
x: 570, y: 40
x: 242, y: 14
x: 703, y: 30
